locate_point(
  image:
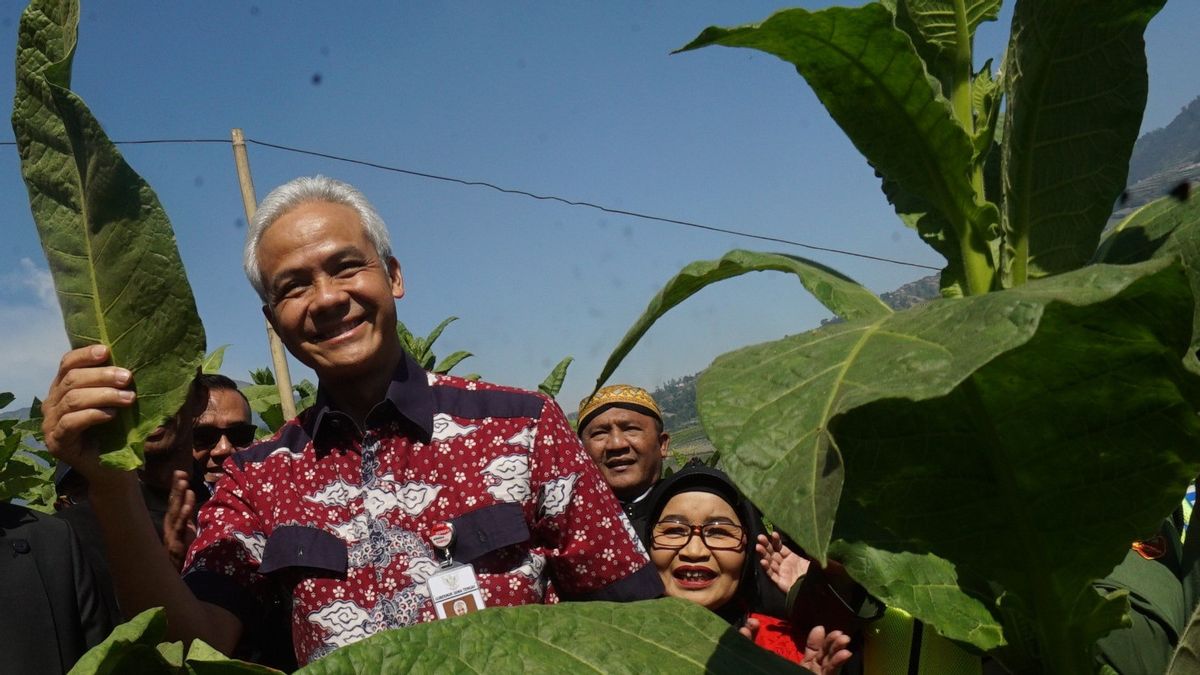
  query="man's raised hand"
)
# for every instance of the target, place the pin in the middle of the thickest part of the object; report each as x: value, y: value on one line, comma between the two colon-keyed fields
x: 86, y: 392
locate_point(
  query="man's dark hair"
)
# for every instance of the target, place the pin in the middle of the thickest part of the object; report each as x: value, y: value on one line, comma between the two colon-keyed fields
x: 215, y: 381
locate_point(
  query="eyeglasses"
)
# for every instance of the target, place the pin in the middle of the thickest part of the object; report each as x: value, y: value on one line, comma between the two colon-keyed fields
x: 716, y: 536
x: 206, y: 437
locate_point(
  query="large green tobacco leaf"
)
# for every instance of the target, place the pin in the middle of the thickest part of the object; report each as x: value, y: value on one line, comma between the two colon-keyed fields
x: 657, y: 636
x: 937, y: 19
x: 869, y: 76
x: 137, y: 647
x: 1076, y: 83
x: 110, y: 248
x: 840, y: 294
x: 927, y: 587
x: 1163, y: 228
x: 1025, y: 437
x: 131, y: 647
x: 1146, y: 231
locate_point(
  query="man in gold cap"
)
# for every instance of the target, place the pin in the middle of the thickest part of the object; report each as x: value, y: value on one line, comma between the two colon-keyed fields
x: 621, y: 427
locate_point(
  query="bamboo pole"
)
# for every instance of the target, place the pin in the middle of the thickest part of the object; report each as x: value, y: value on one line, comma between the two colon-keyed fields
x: 283, y: 379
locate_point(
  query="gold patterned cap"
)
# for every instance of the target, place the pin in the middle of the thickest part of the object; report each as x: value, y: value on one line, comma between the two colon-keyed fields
x: 617, y: 396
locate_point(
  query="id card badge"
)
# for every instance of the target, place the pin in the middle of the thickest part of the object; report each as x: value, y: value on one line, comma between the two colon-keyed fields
x: 455, y: 591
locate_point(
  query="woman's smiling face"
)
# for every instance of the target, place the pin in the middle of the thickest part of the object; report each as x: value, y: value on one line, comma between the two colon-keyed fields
x: 696, y: 572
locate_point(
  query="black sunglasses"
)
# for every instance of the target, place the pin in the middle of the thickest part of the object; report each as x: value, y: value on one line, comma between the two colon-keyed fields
x: 206, y: 437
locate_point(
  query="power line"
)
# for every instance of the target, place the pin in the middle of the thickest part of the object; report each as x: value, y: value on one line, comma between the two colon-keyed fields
x: 532, y: 195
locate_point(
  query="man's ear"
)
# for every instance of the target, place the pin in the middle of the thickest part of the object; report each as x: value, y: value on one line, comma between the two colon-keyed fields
x: 664, y: 444
x: 269, y: 315
x: 397, y: 279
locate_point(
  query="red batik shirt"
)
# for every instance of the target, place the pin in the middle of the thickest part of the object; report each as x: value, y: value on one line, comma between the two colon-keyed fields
x: 333, y: 522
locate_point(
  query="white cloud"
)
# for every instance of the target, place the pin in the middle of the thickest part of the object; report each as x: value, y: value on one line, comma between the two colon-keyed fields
x: 34, y: 338
x: 30, y: 283
x: 40, y: 282
x: 34, y: 342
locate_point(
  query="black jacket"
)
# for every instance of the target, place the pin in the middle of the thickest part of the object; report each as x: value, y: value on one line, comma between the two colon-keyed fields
x: 53, y: 609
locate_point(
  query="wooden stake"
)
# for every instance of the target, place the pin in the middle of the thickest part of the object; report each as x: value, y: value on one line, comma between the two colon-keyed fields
x: 283, y: 379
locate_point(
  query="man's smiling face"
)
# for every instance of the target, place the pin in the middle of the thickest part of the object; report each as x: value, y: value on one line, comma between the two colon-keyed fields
x: 628, y: 448
x: 330, y: 297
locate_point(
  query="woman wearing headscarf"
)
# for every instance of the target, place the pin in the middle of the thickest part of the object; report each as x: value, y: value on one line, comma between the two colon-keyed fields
x: 701, y: 540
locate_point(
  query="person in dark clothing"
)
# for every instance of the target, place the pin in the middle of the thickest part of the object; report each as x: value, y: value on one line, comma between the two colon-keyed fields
x: 621, y: 427
x: 49, y: 593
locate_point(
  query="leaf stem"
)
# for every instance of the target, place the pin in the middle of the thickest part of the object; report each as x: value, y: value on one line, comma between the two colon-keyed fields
x: 978, y: 266
x: 960, y: 94
x: 1020, y: 257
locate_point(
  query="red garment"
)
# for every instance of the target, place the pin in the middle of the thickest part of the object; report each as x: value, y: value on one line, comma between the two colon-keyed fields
x: 339, y: 518
x: 778, y: 636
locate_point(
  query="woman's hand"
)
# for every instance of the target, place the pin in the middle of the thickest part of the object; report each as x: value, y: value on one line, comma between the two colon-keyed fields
x: 783, y: 565
x: 749, y: 628
x: 826, y: 653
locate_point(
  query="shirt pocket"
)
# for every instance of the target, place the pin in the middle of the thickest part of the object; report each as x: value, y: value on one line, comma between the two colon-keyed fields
x: 488, y: 529
x: 293, y: 546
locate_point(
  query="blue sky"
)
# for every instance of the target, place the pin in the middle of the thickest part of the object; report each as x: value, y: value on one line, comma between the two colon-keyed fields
x: 579, y: 100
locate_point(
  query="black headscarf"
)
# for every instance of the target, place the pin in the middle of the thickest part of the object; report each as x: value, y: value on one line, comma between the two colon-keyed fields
x: 756, y: 592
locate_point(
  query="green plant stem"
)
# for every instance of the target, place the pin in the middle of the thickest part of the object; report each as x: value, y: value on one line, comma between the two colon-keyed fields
x: 960, y: 94
x: 977, y: 263
x: 1020, y: 258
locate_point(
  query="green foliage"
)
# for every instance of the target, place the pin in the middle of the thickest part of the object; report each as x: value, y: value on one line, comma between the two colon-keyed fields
x: 554, y: 381
x: 898, y: 77
x: 1142, y: 233
x: 978, y: 462
x: 212, y: 362
x: 870, y: 77
x: 264, y: 398
x: 421, y: 349
x: 107, y: 240
x: 137, y: 647
x: 262, y: 376
x: 26, y: 469
x: 667, y: 636
x: 1186, y: 660
x: 842, y: 295
x: 1075, y: 105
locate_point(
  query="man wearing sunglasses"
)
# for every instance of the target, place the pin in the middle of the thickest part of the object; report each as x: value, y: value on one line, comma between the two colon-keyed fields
x: 222, y: 429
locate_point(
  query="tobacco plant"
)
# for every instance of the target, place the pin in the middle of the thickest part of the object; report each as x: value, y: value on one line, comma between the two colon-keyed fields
x: 111, y: 250
x: 26, y: 469
x: 980, y: 460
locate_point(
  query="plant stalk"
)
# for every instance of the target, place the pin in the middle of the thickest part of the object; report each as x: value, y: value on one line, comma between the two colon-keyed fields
x: 978, y: 266
x: 1020, y: 273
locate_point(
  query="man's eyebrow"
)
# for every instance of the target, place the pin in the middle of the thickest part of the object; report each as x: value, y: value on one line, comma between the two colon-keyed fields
x: 337, y: 255
x: 285, y: 275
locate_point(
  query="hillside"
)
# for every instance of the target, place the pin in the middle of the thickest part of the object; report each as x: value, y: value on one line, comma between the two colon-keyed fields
x: 1161, y: 160
x: 1166, y: 148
